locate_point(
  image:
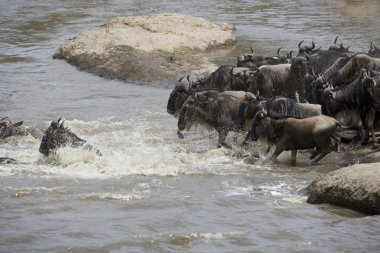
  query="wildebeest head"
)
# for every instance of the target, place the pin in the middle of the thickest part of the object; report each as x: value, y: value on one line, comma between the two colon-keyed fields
x: 7, y: 128
x: 248, y: 108
x: 303, y: 49
x: 56, y: 135
x: 338, y: 47
x: 353, y: 95
x: 259, y: 126
x: 254, y: 61
x: 178, y: 96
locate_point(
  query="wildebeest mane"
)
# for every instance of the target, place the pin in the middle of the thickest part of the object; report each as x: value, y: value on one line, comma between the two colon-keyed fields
x: 216, y: 78
x: 283, y: 107
x: 352, y: 68
x: 323, y: 59
x: 331, y: 75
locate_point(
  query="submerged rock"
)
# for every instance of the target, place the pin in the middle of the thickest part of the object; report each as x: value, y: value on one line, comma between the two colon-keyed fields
x: 356, y: 187
x: 156, y: 47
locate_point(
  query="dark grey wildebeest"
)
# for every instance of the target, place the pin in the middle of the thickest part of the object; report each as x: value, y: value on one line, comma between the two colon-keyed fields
x: 57, y: 135
x: 212, y: 109
x: 224, y: 78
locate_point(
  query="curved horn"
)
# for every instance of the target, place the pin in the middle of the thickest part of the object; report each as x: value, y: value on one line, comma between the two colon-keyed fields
x: 180, y: 80
x: 336, y: 38
x: 189, y: 80
x: 371, y: 46
x: 290, y: 54
x: 251, y: 49
x: 312, y: 45
x: 299, y: 44
x: 60, y: 122
x: 278, y: 51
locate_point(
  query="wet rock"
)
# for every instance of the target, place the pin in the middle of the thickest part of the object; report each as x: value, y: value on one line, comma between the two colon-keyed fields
x: 158, y: 47
x: 356, y: 187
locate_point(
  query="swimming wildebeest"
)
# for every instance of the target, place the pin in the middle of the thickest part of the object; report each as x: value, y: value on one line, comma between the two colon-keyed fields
x: 224, y: 78
x: 212, y: 109
x: 8, y: 129
x: 57, y: 135
x: 294, y: 134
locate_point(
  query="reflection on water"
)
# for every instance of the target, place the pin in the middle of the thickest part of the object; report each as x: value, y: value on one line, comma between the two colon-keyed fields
x: 151, y: 192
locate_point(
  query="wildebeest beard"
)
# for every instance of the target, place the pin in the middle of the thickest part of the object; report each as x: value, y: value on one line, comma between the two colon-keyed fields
x: 57, y: 136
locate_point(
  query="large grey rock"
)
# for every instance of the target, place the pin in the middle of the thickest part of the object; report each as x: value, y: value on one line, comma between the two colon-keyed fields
x: 158, y: 47
x: 356, y: 187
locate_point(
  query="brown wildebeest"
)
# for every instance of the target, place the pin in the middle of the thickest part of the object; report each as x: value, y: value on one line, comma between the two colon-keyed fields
x: 293, y: 134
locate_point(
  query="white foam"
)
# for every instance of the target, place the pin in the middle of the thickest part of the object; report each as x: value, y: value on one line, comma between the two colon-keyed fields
x: 128, y: 148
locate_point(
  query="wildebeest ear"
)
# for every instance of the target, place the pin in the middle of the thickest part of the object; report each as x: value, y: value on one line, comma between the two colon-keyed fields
x: 18, y: 124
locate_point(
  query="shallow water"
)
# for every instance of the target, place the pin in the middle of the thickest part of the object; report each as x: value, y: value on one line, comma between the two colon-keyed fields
x: 150, y: 191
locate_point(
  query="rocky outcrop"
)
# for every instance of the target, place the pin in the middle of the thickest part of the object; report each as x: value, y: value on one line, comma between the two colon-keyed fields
x: 356, y: 187
x: 158, y: 47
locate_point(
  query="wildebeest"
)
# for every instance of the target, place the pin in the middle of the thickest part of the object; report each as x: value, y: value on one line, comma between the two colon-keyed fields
x: 224, y: 78
x: 294, y: 134
x: 271, y: 80
x: 8, y: 129
x: 361, y: 95
x: 254, y: 61
x: 345, y: 70
x: 212, y: 109
x: 277, y: 107
x: 340, y: 47
x: 57, y: 135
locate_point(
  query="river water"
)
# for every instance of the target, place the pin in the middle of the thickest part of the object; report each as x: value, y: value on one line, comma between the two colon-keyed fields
x: 150, y: 191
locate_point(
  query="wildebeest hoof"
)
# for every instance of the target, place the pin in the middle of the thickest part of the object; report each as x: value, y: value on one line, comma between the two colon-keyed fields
x: 180, y: 135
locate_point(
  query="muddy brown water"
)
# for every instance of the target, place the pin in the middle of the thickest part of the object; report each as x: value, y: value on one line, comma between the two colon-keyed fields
x: 151, y: 192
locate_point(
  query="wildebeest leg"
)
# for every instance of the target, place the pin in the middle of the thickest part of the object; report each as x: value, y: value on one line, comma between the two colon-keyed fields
x: 370, y: 119
x: 294, y: 156
x: 268, y: 148
x: 180, y: 134
x: 321, y: 155
x: 277, y: 152
x: 222, y: 139
x: 364, y: 120
x: 315, y: 153
x: 244, y: 144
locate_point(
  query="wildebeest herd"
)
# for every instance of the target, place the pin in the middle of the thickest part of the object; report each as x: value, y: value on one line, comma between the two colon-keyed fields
x: 307, y: 101
x: 317, y: 99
